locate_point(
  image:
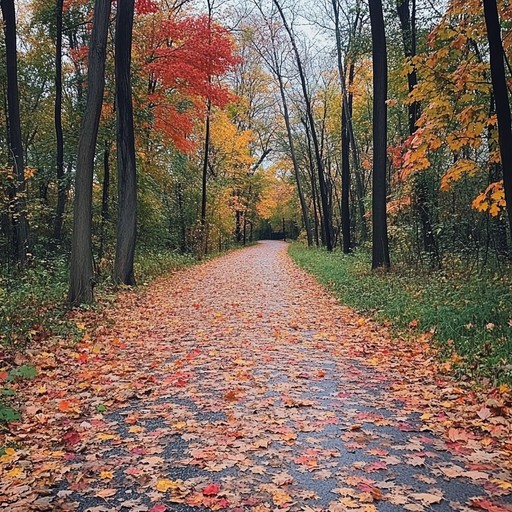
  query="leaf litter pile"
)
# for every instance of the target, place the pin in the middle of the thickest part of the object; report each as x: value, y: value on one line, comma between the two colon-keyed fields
x: 242, y: 385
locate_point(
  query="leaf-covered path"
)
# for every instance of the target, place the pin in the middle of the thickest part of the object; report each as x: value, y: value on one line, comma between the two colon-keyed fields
x: 240, y: 384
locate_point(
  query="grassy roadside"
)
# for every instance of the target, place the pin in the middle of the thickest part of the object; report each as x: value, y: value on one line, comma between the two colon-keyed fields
x: 469, y: 314
x: 33, y: 303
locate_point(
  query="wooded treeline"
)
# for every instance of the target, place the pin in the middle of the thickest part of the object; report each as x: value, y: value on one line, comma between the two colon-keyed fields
x: 397, y: 122
x: 154, y: 124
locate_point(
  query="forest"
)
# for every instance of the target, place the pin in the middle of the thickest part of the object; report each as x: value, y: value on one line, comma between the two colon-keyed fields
x: 146, y: 135
x: 255, y: 255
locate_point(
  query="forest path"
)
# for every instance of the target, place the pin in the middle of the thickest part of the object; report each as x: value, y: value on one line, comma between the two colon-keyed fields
x: 241, y: 384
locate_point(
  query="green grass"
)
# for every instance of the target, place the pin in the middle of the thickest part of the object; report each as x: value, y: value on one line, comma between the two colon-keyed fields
x: 33, y: 301
x: 469, y: 313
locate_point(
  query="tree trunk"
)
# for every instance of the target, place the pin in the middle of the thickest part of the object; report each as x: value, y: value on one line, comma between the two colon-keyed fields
x: 19, y: 218
x: 499, y: 87
x: 317, y: 209
x: 181, y: 215
x: 345, y: 138
x: 244, y: 235
x: 296, y: 170
x: 205, y: 163
x: 59, y: 160
x: 346, y: 96
x: 126, y: 165
x: 327, y: 221
x: 407, y: 27
x: 105, y: 210
x: 238, y: 226
x: 420, y: 190
x: 497, y: 224
x: 380, y: 246
x: 82, y: 272
x: 345, y: 183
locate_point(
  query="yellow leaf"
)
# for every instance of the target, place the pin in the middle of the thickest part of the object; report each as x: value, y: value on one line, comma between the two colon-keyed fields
x: 14, y: 472
x: 461, y: 167
x: 281, y: 498
x: 494, y: 210
x: 106, y: 475
x: 105, y: 437
x: 8, y: 455
x: 504, y: 484
x: 164, y: 485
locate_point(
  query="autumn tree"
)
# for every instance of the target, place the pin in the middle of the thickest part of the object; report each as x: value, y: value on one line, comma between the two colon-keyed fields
x: 82, y: 271
x: 326, y: 211
x: 274, y: 52
x: 206, y: 153
x: 406, y: 10
x: 346, y: 59
x: 501, y: 97
x: 126, y: 167
x: 380, y: 244
x: 59, y: 135
x: 17, y: 191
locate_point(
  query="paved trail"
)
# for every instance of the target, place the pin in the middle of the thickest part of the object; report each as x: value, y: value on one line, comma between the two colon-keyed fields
x: 242, y: 385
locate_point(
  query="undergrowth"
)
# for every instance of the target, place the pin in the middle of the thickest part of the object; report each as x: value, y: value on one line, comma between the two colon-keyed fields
x: 33, y: 307
x: 33, y: 301
x: 469, y: 313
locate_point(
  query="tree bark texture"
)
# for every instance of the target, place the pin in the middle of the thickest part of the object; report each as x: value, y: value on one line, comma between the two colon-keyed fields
x: 126, y: 165
x: 19, y: 218
x: 59, y: 136
x: 499, y: 87
x: 380, y: 245
x: 82, y: 272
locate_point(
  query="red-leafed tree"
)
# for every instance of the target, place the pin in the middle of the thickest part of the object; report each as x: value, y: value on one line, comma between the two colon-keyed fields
x: 185, y: 61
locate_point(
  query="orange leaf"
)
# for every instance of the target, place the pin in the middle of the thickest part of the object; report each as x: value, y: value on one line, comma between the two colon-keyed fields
x: 65, y: 406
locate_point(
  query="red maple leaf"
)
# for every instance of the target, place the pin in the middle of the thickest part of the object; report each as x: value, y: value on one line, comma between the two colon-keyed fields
x: 211, y: 490
x: 71, y: 438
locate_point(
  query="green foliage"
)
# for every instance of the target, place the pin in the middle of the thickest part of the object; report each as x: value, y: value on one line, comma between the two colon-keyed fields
x: 8, y: 413
x: 469, y: 314
x: 32, y: 300
x: 23, y: 372
x: 150, y: 263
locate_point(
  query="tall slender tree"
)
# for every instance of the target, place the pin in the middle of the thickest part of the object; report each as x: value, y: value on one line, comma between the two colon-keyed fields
x: 348, y: 138
x: 274, y: 56
x: 380, y: 244
x: 296, y: 170
x: 82, y: 272
x: 206, y: 153
x: 59, y: 150
x: 406, y: 10
x: 326, y: 210
x: 345, y: 179
x: 500, y: 91
x: 19, y: 217
x: 126, y: 166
